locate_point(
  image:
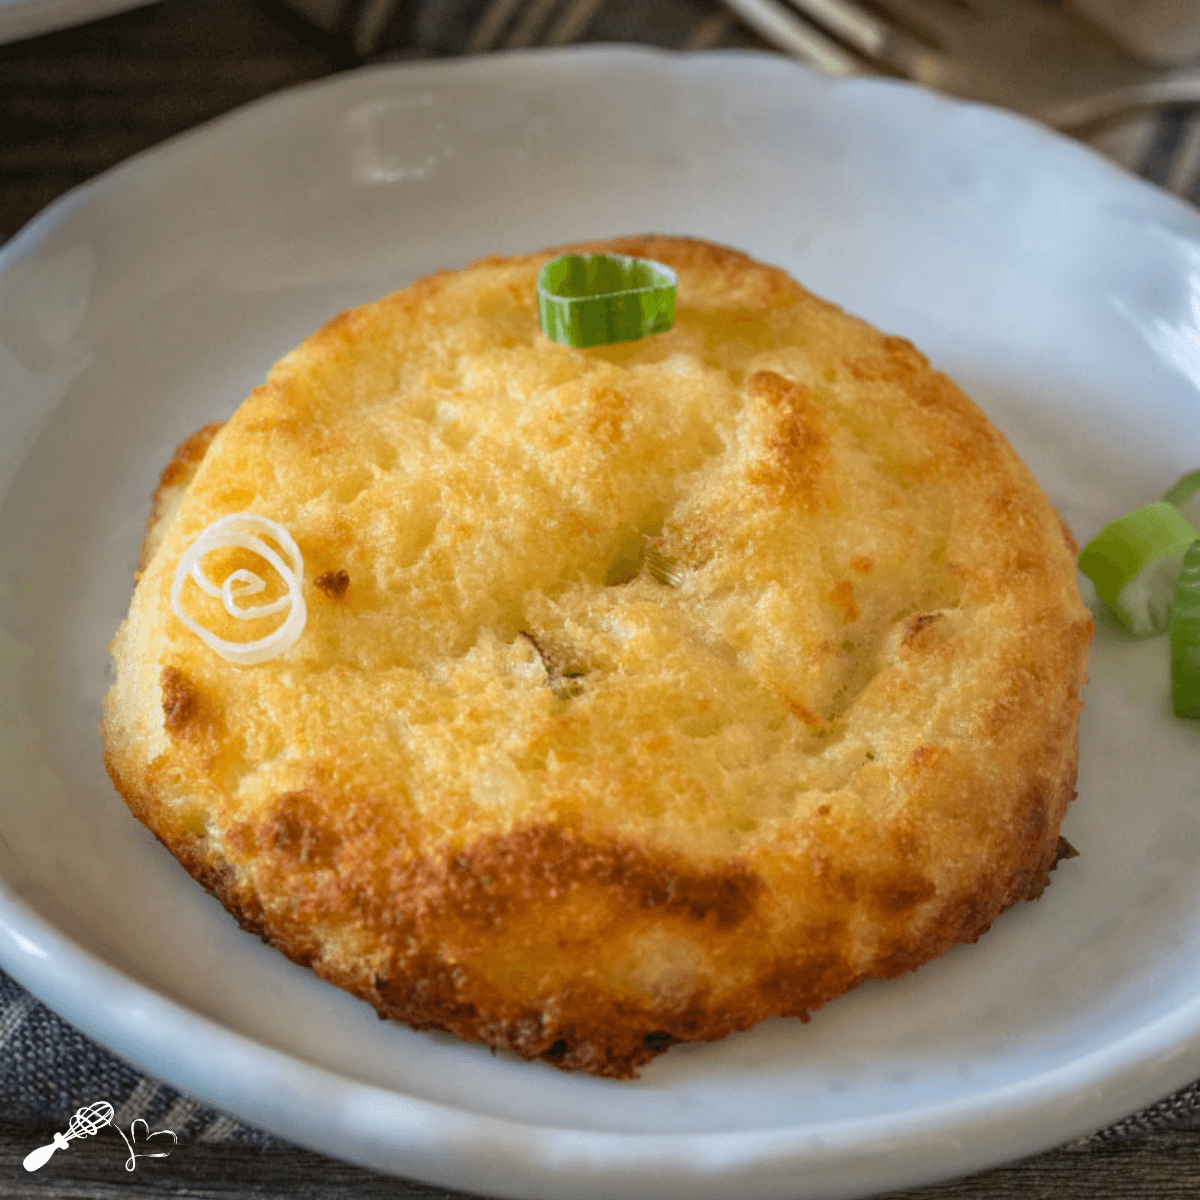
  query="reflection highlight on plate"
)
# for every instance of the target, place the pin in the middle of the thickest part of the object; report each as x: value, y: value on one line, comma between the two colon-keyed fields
x: 396, y: 139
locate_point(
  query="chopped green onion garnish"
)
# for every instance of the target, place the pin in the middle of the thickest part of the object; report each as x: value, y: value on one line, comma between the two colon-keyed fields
x: 1185, y: 495
x: 662, y: 569
x: 1185, y: 637
x: 1135, y: 564
x: 598, y: 299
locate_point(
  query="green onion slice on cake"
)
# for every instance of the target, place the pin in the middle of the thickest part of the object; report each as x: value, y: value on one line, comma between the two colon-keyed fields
x: 598, y: 299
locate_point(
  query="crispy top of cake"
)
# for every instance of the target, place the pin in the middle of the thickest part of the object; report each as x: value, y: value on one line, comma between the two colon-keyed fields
x: 646, y: 690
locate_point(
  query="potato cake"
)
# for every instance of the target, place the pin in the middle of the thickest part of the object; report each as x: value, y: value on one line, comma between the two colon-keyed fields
x: 644, y: 691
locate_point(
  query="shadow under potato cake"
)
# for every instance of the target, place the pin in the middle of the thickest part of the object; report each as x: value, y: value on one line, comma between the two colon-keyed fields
x: 518, y: 781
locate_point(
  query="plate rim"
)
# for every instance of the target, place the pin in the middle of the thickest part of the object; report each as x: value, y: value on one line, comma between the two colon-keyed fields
x: 21, y: 19
x: 938, y: 102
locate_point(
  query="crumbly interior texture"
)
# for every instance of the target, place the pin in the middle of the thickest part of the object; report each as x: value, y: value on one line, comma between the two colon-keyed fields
x: 647, y: 690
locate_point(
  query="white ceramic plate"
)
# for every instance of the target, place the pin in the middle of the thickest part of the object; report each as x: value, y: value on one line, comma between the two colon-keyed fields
x: 27, y: 18
x: 1061, y: 292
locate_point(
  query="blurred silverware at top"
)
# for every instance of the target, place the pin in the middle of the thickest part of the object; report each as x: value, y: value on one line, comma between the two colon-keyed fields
x: 1079, y: 67
x: 1050, y: 62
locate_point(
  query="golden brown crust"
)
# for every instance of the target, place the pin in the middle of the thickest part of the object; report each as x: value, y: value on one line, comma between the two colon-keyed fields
x: 516, y: 783
x: 179, y: 699
x: 333, y: 583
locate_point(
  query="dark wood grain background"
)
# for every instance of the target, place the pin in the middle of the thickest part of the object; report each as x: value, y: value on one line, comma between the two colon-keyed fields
x: 75, y: 103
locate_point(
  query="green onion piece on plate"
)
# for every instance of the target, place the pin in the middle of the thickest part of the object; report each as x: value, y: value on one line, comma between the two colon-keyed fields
x: 1135, y: 564
x: 1185, y: 495
x: 1185, y: 637
x: 597, y: 299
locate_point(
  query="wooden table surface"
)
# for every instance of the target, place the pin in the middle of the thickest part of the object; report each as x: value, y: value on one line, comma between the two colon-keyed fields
x: 76, y: 102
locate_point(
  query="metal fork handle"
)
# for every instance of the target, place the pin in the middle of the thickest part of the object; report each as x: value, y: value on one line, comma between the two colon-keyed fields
x: 795, y: 35
x: 1090, y: 114
x: 1079, y: 118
